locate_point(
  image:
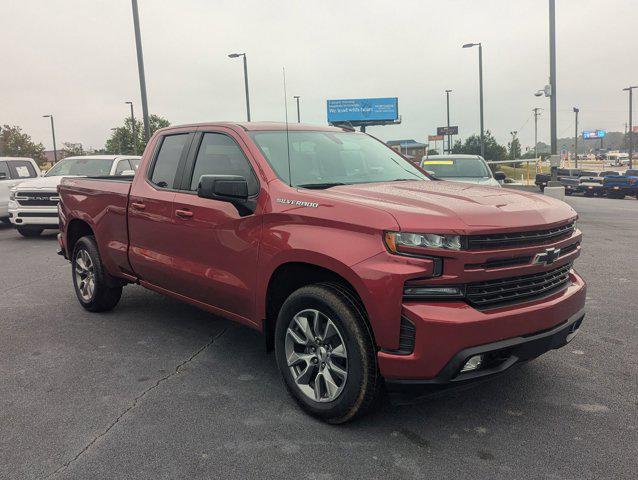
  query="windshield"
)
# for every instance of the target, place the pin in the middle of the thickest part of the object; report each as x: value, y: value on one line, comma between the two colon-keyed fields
x: 451, y: 167
x: 324, y: 159
x: 87, y: 167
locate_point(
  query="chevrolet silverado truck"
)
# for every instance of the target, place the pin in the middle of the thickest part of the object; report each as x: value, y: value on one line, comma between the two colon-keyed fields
x: 33, y: 204
x: 362, y: 272
x: 619, y: 186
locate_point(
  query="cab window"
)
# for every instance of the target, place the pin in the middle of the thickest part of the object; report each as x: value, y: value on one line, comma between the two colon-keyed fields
x: 220, y: 155
x: 167, y: 160
x: 22, y: 169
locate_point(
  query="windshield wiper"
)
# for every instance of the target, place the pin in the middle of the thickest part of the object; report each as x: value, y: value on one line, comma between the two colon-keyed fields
x: 320, y: 186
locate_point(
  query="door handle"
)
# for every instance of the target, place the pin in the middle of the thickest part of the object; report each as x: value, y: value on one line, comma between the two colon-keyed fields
x: 184, y: 213
x: 138, y: 206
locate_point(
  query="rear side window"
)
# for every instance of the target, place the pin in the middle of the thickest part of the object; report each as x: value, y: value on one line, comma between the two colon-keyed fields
x: 4, y: 171
x: 122, y: 166
x: 220, y: 155
x: 167, y: 160
x: 22, y: 169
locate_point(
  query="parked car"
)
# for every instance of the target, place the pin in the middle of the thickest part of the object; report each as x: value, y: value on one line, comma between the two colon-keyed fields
x: 14, y: 170
x: 357, y: 267
x: 618, y: 186
x: 571, y: 184
x: 462, y: 168
x: 592, y: 184
x: 33, y: 204
x: 542, y: 179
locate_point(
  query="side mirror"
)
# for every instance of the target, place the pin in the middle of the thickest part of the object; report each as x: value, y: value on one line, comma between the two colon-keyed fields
x: 227, y: 188
x: 3, y: 176
x: 500, y: 176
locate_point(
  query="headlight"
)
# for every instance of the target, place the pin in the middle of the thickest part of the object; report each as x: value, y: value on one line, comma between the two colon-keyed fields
x: 12, y: 194
x: 398, y: 242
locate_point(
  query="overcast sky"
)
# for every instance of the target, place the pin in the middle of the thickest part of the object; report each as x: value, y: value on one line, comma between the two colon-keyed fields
x: 76, y: 59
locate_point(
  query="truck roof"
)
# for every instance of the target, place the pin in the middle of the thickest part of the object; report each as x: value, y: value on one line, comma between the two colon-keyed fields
x: 263, y: 126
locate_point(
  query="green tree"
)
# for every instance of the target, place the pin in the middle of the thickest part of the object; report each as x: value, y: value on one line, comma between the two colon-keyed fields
x: 121, y: 139
x: 15, y: 143
x: 514, y: 148
x: 472, y: 146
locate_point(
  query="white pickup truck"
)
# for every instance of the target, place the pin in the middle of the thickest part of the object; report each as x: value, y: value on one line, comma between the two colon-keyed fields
x: 33, y: 204
x: 14, y: 170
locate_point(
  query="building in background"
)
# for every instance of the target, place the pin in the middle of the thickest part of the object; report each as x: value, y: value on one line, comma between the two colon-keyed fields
x: 410, y: 148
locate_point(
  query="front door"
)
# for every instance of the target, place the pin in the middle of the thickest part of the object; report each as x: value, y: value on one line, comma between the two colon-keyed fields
x: 216, y: 259
x: 151, y: 221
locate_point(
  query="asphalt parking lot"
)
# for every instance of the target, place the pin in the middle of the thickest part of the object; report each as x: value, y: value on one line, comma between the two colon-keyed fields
x: 157, y: 389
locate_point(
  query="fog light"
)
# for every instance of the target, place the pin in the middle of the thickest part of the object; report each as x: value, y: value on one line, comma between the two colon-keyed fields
x: 472, y: 364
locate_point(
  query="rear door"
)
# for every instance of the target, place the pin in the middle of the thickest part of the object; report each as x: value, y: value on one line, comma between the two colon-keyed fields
x: 216, y: 258
x: 151, y: 222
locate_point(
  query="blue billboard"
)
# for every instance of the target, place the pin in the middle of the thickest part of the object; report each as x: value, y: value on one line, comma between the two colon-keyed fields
x: 593, y: 134
x: 363, y: 110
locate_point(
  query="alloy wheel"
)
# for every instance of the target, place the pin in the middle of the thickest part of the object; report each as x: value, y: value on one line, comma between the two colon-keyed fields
x: 84, y: 275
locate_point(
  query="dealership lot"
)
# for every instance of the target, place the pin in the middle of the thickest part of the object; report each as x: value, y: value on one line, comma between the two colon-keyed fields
x: 156, y: 389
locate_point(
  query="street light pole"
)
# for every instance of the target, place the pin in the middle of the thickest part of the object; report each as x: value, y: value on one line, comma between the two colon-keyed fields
x: 480, y: 49
x: 133, y: 130
x: 140, y: 68
x: 631, y: 125
x: 552, y: 76
x: 296, y: 97
x: 449, y: 137
x: 576, y: 110
x: 55, y: 150
x: 235, y: 55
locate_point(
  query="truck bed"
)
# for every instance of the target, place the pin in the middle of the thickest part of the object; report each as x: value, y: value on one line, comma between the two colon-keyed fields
x: 104, y: 200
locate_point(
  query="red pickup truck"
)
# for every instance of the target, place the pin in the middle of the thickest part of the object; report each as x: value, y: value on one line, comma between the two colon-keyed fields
x: 361, y: 270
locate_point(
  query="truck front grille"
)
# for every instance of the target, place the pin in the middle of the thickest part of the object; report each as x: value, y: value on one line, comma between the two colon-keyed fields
x: 518, y: 239
x: 37, y: 199
x: 494, y: 293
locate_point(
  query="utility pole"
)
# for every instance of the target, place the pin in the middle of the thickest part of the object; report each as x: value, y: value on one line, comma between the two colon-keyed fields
x: 513, y: 134
x: 55, y: 150
x: 296, y: 97
x: 536, y: 115
x: 449, y: 137
x: 133, y: 130
x: 576, y: 138
x: 480, y: 50
x: 236, y: 55
x: 552, y: 75
x: 140, y: 68
x: 631, y: 124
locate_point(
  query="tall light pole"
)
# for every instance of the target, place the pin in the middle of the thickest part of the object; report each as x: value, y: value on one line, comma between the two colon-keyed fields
x: 576, y: 110
x: 133, y: 130
x: 296, y: 97
x: 55, y: 150
x: 235, y: 55
x: 536, y: 114
x: 552, y: 77
x: 140, y: 68
x: 631, y: 125
x: 513, y: 134
x: 480, y: 50
x: 449, y: 137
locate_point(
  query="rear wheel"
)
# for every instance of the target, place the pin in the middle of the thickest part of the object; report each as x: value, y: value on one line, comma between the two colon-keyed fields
x: 326, y: 354
x: 90, y: 280
x: 30, y: 231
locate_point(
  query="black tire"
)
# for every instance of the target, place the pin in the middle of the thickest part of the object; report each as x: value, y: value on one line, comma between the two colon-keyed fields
x: 568, y: 193
x: 542, y: 188
x: 362, y: 386
x: 30, y: 231
x: 5, y: 220
x: 103, y: 296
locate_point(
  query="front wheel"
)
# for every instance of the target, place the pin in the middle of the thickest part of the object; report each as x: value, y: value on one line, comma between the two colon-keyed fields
x: 90, y: 280
x: 326, y: 354
x: 30, y: 231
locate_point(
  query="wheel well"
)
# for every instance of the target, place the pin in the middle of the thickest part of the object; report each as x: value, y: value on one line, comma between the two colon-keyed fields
x: 290, y: 277
x: 76, y: 230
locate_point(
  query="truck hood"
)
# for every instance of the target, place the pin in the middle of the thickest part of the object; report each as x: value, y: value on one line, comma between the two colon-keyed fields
x: 440, y: 206
x: 488, y: 182
x: 41, y: 183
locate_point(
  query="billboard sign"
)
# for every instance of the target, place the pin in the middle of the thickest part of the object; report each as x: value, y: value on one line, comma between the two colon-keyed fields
x: 594, y: 134
x: 447, y: 130
x: 363, y: 110
x: 434, y: 138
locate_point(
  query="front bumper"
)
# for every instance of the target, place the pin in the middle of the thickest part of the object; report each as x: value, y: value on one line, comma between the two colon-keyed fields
x: 447, y: 334
x: 31, y: 216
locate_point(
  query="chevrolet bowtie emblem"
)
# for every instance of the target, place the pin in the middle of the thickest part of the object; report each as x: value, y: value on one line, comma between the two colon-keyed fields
x: 549, y: 256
